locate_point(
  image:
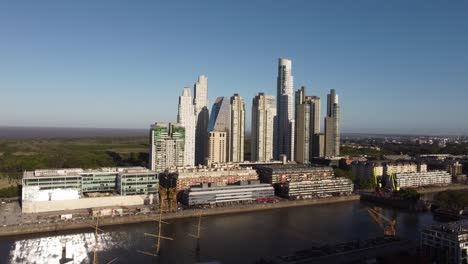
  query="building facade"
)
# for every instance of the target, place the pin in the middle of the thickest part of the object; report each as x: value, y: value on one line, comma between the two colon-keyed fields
x: 446, y: 242
x: 232, y: 194
x: 237, y: 132
x: 186, y: 118
x: 202, y: 116
x: 218, y: 147
x: 263, y: 124
x: 218, y: 174
x: 307, y: 121
x: 167, y: 143
x: 332, y: 125
x: 284, y: 143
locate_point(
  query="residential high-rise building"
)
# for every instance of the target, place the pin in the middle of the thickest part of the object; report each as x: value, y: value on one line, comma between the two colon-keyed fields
x: 332, y: 125
x: 201, y: 119
x: 220, y: 121
x: 307, y: 121
x: 263, y: 125
x: 318, y: 145
x: 302, y: 136
x: 237, y: 132
x: 217, y: 151
x: 167, y: 142
x: 186, y: 118
x: 284, y: 142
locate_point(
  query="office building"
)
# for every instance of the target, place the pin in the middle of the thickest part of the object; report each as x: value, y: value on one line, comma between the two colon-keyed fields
x: 263, y: 124
x: 76, y: 188
x: 308, y: 189
x: 332, y: 125
x: 446, y: 242
x: 284, y: 142
x: 307, y: 121
x: 167, y: 143
x: 201, y: 119
x: 186, y: 118
x: 237, y: 132
x: 217, y: 147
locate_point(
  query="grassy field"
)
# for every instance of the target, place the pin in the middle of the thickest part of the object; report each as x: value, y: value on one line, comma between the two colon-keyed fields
x: 20, y: 155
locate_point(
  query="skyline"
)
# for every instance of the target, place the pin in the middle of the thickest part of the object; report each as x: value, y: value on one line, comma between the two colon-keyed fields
x: 119, y: 66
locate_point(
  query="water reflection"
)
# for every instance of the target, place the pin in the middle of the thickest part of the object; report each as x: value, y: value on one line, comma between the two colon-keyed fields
x: 236, y: 238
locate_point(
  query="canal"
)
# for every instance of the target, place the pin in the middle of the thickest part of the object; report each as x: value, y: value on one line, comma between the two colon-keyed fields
x: 234, y: 238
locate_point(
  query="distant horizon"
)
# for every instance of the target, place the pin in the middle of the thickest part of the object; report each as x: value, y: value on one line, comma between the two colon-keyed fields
x: 120, y: 132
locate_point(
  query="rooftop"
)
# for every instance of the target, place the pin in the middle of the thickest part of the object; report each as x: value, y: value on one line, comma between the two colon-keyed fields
x: 458, y: 227
x: 293, y: 167
x: 77, y: 172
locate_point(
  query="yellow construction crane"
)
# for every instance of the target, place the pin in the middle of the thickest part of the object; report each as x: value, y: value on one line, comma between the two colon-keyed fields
x: 389, y: 229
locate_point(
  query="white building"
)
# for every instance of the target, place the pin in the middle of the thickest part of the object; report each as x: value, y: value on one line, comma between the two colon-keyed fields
x: 284, y: 142
x: 202, y: 117
x: 446, y: 243
x: 237, y: 129
x: 186, y: 118
x: 420, y: 179
x: 263, y: 119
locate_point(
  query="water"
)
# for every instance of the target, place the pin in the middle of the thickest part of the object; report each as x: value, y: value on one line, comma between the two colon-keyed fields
x: 236, y: 238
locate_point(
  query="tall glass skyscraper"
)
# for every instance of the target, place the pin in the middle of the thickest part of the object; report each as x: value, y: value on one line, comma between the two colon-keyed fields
x: 285, y: 111
x: 332, y: 125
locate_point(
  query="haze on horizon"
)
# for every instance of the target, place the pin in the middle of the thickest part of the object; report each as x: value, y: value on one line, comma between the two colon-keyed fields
x: 398, y: 66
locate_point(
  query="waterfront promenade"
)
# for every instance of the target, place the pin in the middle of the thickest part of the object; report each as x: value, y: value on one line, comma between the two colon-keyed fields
x: 19, y: 223
x: 30, y: 228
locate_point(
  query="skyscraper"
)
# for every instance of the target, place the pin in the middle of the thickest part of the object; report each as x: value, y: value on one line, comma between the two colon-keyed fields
x: 332, y: 125
x: 263, y: 124
x: 186, y: 118
x: 307, y: 126
x: 167, y: 142
x: 220, y: 121
x: 285, y: 117
x: 302, y: 135
x: 237, y: 134
x: 201, y: 119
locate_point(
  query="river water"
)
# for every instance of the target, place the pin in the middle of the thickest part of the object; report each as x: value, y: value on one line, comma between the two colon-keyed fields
x: 234, y: 238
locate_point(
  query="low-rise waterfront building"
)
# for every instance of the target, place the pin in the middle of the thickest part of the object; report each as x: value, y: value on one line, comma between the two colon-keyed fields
x: 314, y: 188
x: 419, y: 179
x: 219, y: 174
x: 59, y: 189
x: 292, y: 172
x: 246, y: 191
x: 446, y: 242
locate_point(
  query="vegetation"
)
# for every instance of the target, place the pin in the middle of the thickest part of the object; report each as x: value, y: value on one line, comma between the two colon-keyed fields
x: 344, y: 173
x: 410, y: 194
x: 455, y: 200
x: 20, y: 155
x: 367, y: 184
x: 9, y: 192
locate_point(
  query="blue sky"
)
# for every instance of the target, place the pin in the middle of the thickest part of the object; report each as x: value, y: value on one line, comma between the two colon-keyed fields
x: 399, y: 66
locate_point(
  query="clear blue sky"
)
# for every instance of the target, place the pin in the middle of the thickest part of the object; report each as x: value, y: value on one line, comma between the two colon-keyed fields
x: 399, y: 66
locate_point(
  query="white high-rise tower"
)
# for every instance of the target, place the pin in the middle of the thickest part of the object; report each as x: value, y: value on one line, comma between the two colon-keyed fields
x: 202, y: 118
x: 186, y: 118
x: 263, y: 125
x: 284, y: 143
